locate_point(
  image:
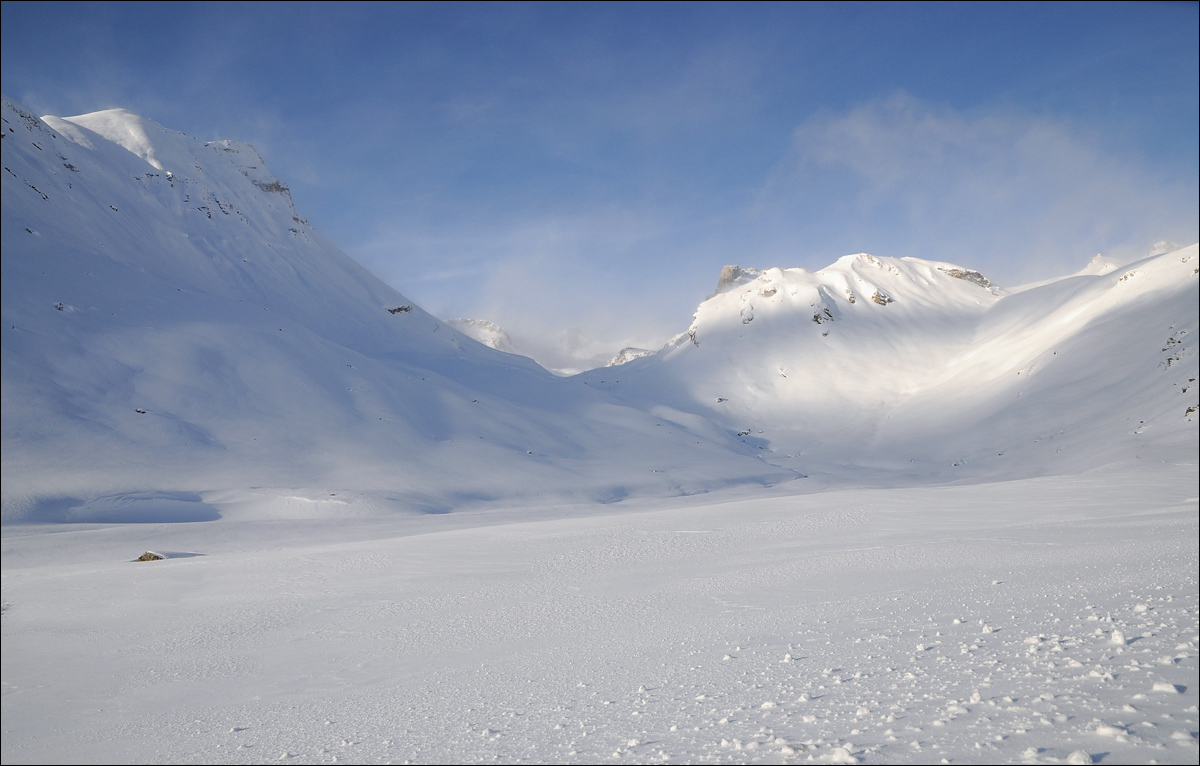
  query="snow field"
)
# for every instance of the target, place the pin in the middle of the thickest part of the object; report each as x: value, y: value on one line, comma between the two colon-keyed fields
x: 975, y: 624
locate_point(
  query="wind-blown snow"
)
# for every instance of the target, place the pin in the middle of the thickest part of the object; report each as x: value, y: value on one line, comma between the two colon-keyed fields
x: 882, y: 512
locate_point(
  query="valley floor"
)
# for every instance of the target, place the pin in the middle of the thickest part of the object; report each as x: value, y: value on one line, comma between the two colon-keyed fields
x: 1045, y: 620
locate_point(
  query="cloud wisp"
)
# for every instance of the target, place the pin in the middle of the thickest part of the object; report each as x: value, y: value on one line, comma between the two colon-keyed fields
x: 1024, y: 196
x: 1018, y: 196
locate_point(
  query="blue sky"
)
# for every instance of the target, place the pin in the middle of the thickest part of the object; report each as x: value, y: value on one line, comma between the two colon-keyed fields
x: 585, y: 166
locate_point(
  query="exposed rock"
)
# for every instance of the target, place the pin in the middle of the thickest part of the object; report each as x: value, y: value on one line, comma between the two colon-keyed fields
x: 882, y: 299
x: 276, y: 187
x: 968, y: 275
x: 822, y: 314
x: 148, y: 556
x: 734, y: 275
x: 628, y: 354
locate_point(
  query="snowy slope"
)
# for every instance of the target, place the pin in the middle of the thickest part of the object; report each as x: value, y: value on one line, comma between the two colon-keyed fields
x: 926, y: 370
x: 174, y: 327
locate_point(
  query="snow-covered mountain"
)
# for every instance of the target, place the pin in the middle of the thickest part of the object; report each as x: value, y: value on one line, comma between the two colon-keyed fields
x: 627, y: 355
x: 488, y: 333
x: 566, y: 353
x: 927, y: 369
x: 174, y: 327
x: 180, y: 344
x: 177, y: 333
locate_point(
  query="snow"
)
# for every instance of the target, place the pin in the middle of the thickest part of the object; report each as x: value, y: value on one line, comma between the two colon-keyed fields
x: 882, y: 512
x: 209, y: 338
x: 488, y: 333
x: 628, y: 354
x: 944, y: 377
x: 438, y: 638
x: 567, y: 353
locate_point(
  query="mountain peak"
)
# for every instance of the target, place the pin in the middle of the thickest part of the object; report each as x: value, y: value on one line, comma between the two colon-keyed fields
x: 734, y: 275
x: 173, y: 325
x: 488, y: 333
x: 1162, y: 247
x: 141, y: 136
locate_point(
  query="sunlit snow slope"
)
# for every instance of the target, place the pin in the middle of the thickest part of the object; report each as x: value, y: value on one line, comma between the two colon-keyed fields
x: 925, y: 369
x: 174, y: 329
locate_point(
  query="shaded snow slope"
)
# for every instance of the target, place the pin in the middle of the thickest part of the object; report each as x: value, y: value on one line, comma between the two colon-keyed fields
x: 926, y: 370
x: 173, y: 325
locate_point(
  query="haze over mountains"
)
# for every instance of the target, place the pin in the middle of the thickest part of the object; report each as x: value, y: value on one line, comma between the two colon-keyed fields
x: 174, y: 325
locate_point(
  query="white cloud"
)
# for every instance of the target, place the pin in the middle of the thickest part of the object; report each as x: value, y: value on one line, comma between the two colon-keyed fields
x: 1023, y: 195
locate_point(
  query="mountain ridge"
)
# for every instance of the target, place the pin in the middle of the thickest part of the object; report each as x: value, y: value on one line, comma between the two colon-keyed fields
x: 183, y: 329
x: 176, y: 329
x: 874, y: 352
